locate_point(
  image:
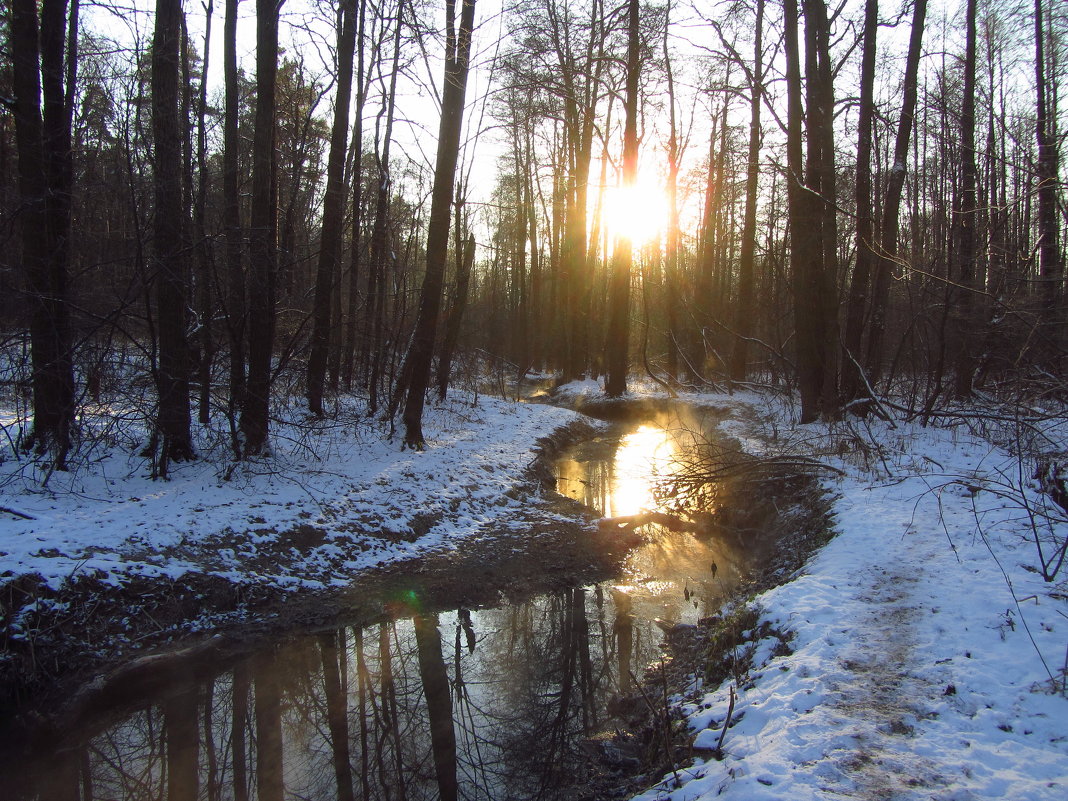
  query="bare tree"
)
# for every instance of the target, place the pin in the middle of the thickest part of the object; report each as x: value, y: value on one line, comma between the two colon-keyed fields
x: 172, y: 372
x: 263, y: 230
x: 44, y: 177
x: 618, y: 334
x: 457, y: 59
x: 235, y: 272
x: 888, y: 246
x: 1050, y: 258
x: 743, y: 313
x: 853, y: 336
x: 326, y: 279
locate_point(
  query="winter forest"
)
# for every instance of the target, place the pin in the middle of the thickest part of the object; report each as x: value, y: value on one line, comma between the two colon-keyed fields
x: 374, y: 197
x: 285, y: 286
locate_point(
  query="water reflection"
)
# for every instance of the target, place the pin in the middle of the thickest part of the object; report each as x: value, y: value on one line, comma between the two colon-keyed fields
x: 465, y: 704
x: 616, y: 476
x: 671, y: 575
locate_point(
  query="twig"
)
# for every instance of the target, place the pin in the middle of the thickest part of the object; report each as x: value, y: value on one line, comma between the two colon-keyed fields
x: 726, y: 725
x: 15, y: 512
x: 667, y: 724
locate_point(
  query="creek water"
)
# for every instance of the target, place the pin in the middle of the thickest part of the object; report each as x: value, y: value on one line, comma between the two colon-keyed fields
x: 486, y: 703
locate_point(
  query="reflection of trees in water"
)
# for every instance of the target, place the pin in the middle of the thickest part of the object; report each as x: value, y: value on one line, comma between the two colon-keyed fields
x: 485, y: 706
x: 556, y: 688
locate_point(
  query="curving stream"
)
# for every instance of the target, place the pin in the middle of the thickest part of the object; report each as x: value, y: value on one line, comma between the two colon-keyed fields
x: 489, y: 703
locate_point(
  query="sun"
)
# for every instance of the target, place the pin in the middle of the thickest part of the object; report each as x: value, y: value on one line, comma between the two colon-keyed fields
x: 638, y: 213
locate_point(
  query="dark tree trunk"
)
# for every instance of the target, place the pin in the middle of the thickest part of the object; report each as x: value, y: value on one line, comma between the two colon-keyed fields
x: 458, y: 51
x: 337, y: 712
x: 270, y: 784
x: 172, y: 377
x: 44, y: 177
x: 348, y: 357
x: 439, y: 704
x: 205, y: 310
x: 183, y: 747
x: 262, y: 234
x: 618, y: 345
x: 536, y: 317
x: 673, y: 237
x: 376, y: 275
x: 1051, y: 267
x: 326, y: 283
x: 238, y: 727
x: 888, y: 250
x: 804, y: 221
x: 465, y: 258
x: 743, y: 317
x: 967, y: 267
x: 820, y: 179
x: 235, y: 273
x: 853, y: 337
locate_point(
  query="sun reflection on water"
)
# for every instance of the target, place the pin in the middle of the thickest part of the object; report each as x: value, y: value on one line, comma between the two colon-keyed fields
x: 642, y: 455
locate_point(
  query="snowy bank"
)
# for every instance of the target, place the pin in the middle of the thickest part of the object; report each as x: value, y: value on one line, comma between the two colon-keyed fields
x: 927, y: 653
x: 335, y: 497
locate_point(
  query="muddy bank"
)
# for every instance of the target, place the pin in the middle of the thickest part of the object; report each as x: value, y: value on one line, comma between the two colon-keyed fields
x: 52, y: 642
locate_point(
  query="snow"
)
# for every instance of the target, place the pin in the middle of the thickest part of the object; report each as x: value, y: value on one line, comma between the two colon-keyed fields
x: 344, y: 490
x: 928, y: 655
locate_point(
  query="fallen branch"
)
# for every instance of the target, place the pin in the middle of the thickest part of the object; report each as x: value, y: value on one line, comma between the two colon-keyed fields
x: 631, y: 522
x: 16, y: 513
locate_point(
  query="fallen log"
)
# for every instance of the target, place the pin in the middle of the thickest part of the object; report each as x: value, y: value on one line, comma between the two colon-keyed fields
x: 631, y: 522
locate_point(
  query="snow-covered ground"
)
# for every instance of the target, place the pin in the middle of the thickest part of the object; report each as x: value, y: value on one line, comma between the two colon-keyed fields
x: 928, y: 655
x: 336, y: 496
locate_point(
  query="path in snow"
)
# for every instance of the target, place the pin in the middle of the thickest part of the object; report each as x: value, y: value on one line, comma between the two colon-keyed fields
x: 879, y: 699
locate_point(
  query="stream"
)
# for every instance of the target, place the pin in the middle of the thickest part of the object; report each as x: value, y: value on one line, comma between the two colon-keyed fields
x: 512, y: 701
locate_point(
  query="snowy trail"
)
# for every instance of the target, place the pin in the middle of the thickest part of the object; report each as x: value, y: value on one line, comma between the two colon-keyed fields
x: 880, y: 700
x: 920, y: 670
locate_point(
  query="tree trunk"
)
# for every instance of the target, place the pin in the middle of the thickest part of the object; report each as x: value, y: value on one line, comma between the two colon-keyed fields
x: 821, y: 181
x: 348, y: 357
x: 853, y: 337
x: 1051, y: 267
x: 454, y: 318
x: 326, y: 283
x: 270, y: 751
x: 200, y: 238
x: 238, y: 727
x: 44, y: 176
x: 458, y: 51
x: 337, y: 710
x: 967, y: 267
x: 439, y: 704
x: 376, y: 275
x: 183, y: 747
x: 172, y: 378
x: 262, y: 234
x: 743, y: 318
x: 673, y: 236
x: 618, y: 346
x: 888, y: 250
x: 804, y: 245
x: 235, y: 273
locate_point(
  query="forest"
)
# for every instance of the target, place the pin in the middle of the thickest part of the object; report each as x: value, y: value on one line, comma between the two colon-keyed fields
x: 858, y: 203
x: 526, y: 399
